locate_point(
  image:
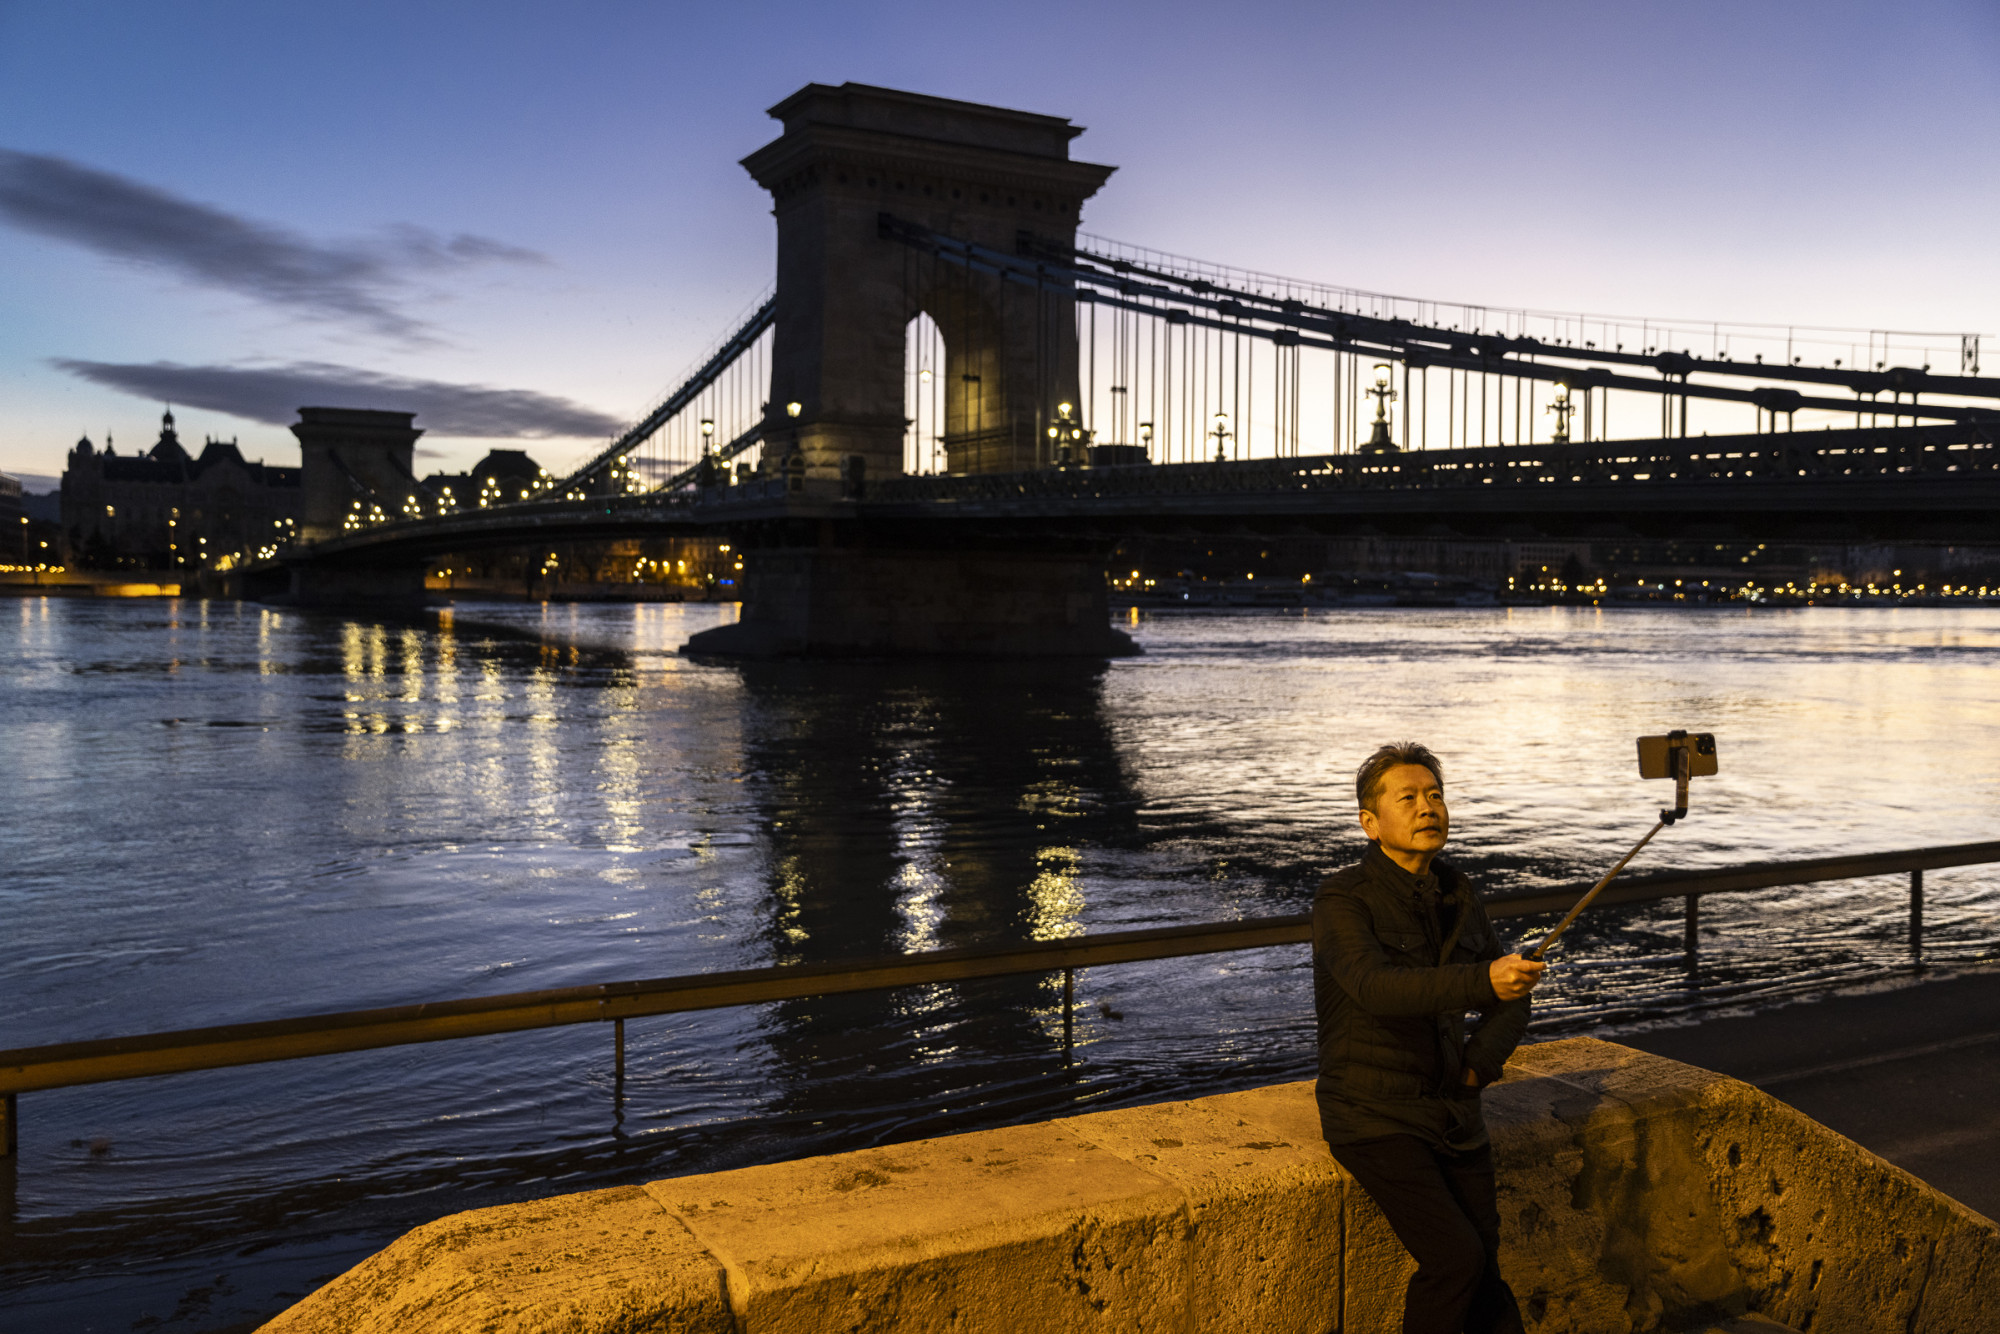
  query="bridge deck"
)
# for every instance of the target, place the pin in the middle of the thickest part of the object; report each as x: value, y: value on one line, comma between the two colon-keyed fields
x: 1925, y: 483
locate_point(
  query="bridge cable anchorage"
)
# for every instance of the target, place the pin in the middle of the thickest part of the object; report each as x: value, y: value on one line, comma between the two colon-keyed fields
x: 1101, y: 279
x: 707, y: 374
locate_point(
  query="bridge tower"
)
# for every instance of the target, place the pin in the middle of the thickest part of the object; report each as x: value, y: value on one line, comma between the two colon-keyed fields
x: 845, y: 295
x: 350, y: 454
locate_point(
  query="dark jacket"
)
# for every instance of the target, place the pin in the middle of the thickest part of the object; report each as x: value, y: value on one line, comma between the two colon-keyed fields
x: 1393, y: 1040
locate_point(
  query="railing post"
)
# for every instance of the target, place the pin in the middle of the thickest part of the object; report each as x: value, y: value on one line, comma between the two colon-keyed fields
x: 1069, y: 1013
x: 10, y: 1124
x: 1917, y: 917
x: 1691, y: 932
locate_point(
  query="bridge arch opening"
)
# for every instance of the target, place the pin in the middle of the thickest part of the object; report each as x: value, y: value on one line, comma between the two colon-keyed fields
x: 992, y: 373
x: 923, y: 396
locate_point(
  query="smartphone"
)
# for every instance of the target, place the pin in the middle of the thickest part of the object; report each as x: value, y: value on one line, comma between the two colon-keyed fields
x: 1656, y: 754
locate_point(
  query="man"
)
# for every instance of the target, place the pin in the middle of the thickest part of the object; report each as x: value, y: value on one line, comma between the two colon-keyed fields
x: 1402, y: 949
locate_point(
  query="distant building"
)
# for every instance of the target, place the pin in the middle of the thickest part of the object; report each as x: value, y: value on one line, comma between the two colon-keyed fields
x: 13, y: 508
x: 43, y: 506
x: 166, y: 509
x: 503, y: 475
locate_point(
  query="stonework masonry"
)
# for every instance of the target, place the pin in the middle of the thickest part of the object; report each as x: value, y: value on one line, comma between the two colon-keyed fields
x: 350, y: 455
x: 832, y: 601
x: 846, y: 294
x: 1636, y: 1194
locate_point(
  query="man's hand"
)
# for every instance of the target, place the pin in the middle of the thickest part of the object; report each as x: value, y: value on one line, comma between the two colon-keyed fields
x: 1514, y: 977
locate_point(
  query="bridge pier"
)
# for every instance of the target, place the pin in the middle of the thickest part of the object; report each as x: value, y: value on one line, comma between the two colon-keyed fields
x: 865, y: 601
x: 318, y: 584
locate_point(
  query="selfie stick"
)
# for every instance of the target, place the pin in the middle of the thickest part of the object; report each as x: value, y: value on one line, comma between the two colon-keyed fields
x: 1679, y: 758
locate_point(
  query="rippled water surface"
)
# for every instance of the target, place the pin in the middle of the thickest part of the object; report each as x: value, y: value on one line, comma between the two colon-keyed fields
x: 218, y: 812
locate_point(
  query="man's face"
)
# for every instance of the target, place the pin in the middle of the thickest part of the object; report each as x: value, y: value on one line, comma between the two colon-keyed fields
x: 1409, y: 815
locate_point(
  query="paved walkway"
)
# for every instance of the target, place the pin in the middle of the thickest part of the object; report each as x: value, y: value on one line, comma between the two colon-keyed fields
x: 1912, y: 1074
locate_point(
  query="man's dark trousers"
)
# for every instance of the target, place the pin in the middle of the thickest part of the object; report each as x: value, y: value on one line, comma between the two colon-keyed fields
x: 1442, y: 1208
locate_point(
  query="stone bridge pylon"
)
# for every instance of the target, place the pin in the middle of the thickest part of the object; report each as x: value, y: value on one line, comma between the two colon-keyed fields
x: 837, y: 583
x: 845, y: 295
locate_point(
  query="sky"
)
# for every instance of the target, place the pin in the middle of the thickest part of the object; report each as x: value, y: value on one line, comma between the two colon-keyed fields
x: 527, y: 221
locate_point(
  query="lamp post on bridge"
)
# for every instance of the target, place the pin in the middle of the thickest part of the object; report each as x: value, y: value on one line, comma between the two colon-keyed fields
x: 1068, y: 435
x: 1379, y: 441
x: 1562, y: 407
x: 707, y: 475
x: 1222, y: 435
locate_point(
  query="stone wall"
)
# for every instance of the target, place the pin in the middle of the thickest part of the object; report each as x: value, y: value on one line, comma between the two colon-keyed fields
x: 1637, y: 1194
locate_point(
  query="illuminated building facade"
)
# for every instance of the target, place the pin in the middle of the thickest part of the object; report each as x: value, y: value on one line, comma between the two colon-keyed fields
x: 167, y: 509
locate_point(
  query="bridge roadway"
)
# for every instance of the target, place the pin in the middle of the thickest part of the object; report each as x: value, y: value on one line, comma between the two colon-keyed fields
x: 1930, y: 483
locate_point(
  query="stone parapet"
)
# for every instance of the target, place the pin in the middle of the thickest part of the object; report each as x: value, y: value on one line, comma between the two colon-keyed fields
x: 1636, y: 1194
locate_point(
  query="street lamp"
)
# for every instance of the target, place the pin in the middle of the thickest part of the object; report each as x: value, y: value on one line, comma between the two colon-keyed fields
x: 1222, y: 435
x: 1562, y: 407
x: 1146, y: 438
x: 1068, y: 433
x: 1378, y: 439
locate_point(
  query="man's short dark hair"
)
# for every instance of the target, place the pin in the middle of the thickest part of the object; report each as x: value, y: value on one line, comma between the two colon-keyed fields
x: 1368, y: 778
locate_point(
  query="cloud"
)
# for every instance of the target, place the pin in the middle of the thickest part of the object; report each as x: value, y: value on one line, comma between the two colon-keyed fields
x: 124, y: 219
x: 274, y: 394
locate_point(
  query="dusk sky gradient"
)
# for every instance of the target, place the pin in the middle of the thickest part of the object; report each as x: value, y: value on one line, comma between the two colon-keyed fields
x: 430, y: 201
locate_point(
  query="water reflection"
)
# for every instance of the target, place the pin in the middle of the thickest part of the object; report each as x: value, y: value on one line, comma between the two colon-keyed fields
x: 925, y: 806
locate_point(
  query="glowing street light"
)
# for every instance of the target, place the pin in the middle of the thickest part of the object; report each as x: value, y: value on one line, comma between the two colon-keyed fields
x: 1378, y: 439
x: 793, y: 409
x: 1068, y: 433
x: 1562, y: 407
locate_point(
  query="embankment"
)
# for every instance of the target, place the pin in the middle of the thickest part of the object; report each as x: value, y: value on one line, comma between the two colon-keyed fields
x: 1637, y: 1193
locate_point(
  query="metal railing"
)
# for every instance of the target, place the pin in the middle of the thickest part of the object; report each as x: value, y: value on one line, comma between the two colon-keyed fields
x: 67, y: 1064
x: 1959, y: 453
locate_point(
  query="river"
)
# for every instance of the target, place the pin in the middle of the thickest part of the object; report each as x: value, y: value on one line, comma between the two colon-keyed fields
x: 219, y: 812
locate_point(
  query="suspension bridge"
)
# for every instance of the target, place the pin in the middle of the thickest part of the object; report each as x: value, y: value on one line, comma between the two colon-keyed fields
x: 953, y: 403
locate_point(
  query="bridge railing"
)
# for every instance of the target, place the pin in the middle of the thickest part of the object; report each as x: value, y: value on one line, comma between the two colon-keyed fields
x: 62, y: 1065
x: 1866, y: 452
